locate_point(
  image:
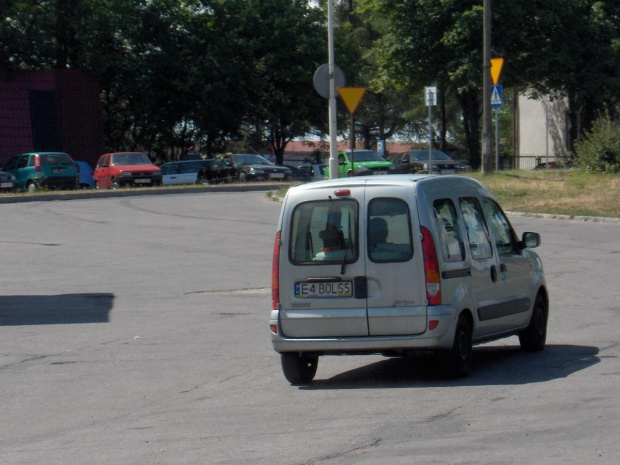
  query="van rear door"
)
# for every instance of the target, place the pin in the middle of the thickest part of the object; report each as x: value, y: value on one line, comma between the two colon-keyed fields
x: 322, y: 282
x: 394, y: 271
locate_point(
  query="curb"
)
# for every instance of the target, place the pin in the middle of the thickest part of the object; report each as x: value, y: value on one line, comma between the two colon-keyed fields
x: 110, y: 193
x: 552, y: 216
x: 252, y: 187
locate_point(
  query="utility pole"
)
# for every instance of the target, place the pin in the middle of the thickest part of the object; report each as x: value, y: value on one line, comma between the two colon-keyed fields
x: 333, y: 127
x: 487, y: 160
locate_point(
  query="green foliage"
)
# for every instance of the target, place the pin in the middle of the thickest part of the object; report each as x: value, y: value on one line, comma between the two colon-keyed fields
x: 173, y: 72
x: 599, y: 151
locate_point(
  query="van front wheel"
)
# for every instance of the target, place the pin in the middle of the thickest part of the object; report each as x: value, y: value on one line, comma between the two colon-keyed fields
x: 299, y: 368
x: 533, y: 337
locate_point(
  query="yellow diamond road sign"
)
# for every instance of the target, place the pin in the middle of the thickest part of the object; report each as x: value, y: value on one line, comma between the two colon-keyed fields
x: 496, y: 69
x: 351, y: 96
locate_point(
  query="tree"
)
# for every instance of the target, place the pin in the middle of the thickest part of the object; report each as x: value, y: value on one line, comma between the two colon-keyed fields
x: 288, y: 42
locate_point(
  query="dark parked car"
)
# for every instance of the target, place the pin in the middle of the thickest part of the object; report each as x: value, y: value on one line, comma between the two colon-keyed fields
x: 253, y: 167
x: 7, y: 181
x: 43, y: 170
x: 416, y: 161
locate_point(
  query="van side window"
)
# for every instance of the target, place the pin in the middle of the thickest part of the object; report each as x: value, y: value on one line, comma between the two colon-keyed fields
x: 389, y: 231
x: 450, y: 237
x: 477, y: 233
x: 324, y: 231
x: 505, y: 240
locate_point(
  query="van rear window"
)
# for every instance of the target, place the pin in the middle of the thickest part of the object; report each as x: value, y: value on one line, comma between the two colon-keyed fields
x: 55, y: 159
x: 324, y: 231
x: 389, y: 231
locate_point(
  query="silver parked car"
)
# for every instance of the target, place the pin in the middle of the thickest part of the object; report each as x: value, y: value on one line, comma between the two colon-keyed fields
x: 395, y: 264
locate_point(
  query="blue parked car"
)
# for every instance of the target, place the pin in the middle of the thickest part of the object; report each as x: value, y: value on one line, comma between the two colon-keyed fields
x: 85, y: 174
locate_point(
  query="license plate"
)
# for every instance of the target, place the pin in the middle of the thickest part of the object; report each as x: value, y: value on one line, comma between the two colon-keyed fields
x: 4, y: 185
x: 322, y: 290
x: 59, y: 170
x: 142, y: 181
x: 276, y: 175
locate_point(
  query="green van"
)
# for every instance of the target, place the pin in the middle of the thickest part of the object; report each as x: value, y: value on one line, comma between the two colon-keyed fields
x: 43, y: 170
x: 362, y: 163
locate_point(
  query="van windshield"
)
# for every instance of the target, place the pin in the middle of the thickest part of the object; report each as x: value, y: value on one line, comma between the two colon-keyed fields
x: 324, y: 231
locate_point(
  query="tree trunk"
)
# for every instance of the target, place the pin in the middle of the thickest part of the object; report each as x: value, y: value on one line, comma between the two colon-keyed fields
x: 471, y: 124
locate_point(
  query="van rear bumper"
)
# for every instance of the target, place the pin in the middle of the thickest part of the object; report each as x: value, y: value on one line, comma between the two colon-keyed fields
x: 442, y: 337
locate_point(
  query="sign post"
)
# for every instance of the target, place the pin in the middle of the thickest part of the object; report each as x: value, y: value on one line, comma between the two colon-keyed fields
x: 351, y: 96
x: 496, y: 101
x: 431, y: 99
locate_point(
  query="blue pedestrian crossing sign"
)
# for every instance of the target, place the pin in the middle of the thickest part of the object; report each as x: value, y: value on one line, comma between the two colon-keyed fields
x: 496, y: 96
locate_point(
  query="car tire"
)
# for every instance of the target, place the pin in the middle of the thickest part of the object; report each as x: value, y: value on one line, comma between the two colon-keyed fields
x: 115, y: 184
x: 243, y: 177
x: 299, y: 369
x: 534, y: 337
x: 459, y: 359
x: 202, y: 179
x: 32, y: 187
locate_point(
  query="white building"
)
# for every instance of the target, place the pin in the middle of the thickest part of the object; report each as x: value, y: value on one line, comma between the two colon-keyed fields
x: 542, y: 126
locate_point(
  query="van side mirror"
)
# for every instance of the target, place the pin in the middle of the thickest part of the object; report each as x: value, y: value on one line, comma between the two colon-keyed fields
x: 530, y: 240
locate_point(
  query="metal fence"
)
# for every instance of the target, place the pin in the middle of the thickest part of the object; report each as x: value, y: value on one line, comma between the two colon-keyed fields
x: 506, y: 162
x: 531, y: 162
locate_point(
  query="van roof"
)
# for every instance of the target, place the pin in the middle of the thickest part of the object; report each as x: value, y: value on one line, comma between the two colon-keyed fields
x: 430, y: 181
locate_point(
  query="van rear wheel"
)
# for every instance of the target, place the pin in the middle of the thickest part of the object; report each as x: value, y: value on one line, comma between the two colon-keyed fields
x: 299, y: 369
x: 459, y: 359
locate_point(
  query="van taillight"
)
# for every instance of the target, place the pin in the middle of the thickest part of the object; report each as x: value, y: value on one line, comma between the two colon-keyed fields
x: 275, y: 273
x: 37, y: 163
x: 431, y: 268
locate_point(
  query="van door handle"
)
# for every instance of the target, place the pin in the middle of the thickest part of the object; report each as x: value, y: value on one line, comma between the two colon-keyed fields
x: 493, y: 273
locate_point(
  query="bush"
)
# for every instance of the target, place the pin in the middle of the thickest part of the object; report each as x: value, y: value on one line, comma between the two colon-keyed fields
x: 599, y: 151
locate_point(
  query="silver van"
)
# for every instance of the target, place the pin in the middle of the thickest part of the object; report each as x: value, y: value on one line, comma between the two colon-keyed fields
x: 395, y: 264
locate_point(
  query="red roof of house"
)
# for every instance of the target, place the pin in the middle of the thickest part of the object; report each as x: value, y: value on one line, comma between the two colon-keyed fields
x: 303, y: 146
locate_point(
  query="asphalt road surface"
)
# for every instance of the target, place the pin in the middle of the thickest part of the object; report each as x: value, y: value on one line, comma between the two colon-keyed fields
x: 135, y: 331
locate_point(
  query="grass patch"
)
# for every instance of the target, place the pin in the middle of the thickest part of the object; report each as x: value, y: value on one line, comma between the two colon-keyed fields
x: 560, y: 192
x: 557, y: 192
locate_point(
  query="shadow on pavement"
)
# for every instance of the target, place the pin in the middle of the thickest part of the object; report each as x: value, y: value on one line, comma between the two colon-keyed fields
x: 19, y: 310
x: 492, y: 366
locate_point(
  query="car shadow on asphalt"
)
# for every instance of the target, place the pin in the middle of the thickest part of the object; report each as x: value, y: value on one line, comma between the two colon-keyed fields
x: 20, y: 310
x: 505, y: 365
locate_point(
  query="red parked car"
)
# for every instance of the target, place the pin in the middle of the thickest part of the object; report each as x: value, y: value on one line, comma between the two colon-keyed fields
x: 122, y: 169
